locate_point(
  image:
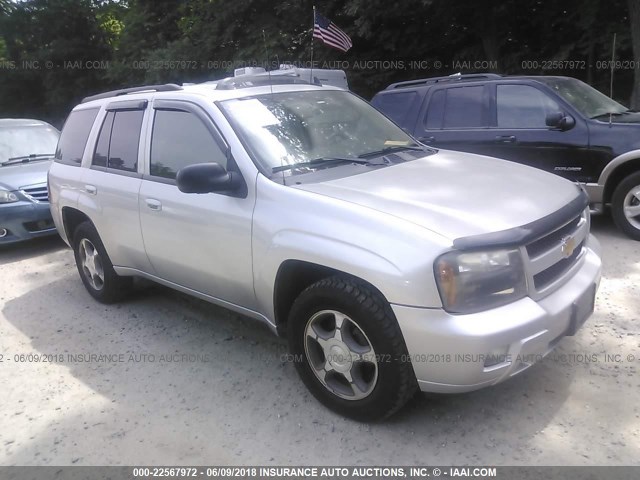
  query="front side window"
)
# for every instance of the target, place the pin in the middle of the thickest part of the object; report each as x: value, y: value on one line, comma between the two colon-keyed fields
x: 523, y: 106
x: 75, y: 134
x: 289, y: 128
x: 180, y: 139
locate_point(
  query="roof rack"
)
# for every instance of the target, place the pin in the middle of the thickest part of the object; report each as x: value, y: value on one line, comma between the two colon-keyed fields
x: 168, y: 87
x: 262, y: 79
x: 456, y: 77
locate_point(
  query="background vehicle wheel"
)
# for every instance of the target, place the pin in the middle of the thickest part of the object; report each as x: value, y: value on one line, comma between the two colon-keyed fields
x: 95, y: 268
x: 625, y: 206
x: 349, y: 349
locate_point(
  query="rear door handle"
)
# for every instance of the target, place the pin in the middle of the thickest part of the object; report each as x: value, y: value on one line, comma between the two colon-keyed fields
x: 90, y: 189
x: 154, y: 204
x: 506, y: 139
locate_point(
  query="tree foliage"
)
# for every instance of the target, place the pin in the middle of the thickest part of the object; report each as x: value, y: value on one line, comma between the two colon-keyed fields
x: 150, y: 41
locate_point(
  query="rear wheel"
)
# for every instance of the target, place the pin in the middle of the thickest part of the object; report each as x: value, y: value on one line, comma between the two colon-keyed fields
x: 625, y: 205
x: 95, y: 268
x: 349, y: 349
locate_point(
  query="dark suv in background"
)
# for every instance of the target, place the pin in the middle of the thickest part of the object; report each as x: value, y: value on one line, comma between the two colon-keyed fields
x: 558, y: 124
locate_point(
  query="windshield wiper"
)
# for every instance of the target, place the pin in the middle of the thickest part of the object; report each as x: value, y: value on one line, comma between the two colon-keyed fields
x: 323, y: 161
x: 390, y: 149
x: 613, y: 114
x: 27, y: 158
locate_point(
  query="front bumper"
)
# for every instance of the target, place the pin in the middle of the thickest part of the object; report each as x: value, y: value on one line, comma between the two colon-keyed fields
x: 25, y: 220
x: 460, y: 353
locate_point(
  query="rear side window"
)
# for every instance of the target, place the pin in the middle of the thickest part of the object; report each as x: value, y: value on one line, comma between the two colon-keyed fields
x: 118, y: 141
x: 125, y: 138
x: 180, y: 139
x: 395, y: 105
x: 75, y: 134
x: 465, y: 107
x: 102, y: 147
x: 436, y: 110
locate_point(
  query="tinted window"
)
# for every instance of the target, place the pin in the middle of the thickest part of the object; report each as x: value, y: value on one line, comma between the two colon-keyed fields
x: 436, y: 110
x: 465, y: 108
x: 180, y: 139
x: 102, y: 147
x: 125, y: 138
x: 522, y: 106
x: 396, y: 105
x: 75, y: 133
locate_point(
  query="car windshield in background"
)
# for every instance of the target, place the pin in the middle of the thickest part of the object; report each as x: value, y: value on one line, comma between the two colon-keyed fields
x: 38, y: 142
x: 285, y: 129
x: 587, y: 100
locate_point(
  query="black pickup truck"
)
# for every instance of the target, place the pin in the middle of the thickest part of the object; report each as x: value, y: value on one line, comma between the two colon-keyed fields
x: 558, y: 124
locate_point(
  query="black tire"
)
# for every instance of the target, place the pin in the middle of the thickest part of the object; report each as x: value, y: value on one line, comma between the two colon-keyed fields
x: 395, y: 380
x: 618, y: 203
x: 113, y: 287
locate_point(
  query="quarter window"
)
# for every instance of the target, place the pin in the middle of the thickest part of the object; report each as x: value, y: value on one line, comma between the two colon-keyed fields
x: 180, y: 139
x: 75, y: 134
x: 396, y: 105
x: 522, y: 106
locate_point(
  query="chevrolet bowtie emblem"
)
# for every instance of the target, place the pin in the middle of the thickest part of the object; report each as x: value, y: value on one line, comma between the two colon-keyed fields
x: 568, y: 246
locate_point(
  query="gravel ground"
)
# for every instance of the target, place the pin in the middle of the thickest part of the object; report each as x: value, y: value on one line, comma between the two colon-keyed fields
x: 190, y: 383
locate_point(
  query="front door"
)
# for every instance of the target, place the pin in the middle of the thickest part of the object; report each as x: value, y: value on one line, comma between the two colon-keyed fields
x: 198, y: 241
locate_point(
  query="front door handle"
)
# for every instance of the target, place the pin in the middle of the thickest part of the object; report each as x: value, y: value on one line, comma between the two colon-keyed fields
x: 427, y: 139
x: 153, y: 204
x: 90, y: 189
x: 506, y: 139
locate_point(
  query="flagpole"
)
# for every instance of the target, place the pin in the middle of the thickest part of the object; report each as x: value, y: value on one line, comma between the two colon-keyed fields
x: 313, y: 26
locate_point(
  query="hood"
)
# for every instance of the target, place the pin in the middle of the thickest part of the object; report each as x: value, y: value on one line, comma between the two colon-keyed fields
x: 14, y: 177
x: 632, y: 118
x: 456, y: 194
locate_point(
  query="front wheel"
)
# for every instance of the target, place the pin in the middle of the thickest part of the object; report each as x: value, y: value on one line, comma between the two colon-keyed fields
x: 349, y: 349
x: 625, y: 205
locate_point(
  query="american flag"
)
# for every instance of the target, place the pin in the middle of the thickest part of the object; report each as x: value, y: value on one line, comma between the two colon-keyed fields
x: 326, y: 30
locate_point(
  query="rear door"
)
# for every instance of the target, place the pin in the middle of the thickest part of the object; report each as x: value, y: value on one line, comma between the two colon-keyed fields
x: 202, y: 242
x: 109, y: 191
x: 457, y: 118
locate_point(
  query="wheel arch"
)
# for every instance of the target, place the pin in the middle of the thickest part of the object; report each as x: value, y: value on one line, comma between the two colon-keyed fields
x: 616, y: 171
x: 293, y: 277
x: 71, y: 218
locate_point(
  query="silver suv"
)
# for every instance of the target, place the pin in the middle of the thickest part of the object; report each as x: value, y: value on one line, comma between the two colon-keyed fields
x: 389, y: 266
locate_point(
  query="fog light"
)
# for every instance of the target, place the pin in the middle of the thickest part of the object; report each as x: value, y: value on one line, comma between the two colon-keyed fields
x: 3, y: 232
x: 497, y: 356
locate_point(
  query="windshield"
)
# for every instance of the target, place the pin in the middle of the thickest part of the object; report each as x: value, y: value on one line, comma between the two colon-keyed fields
x: 299, y: 127
x: 27, y: 140
x: 587, y: 100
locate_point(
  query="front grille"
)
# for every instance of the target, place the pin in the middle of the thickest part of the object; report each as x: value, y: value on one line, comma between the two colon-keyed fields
x: 551, y: 257
x: 37, y: 193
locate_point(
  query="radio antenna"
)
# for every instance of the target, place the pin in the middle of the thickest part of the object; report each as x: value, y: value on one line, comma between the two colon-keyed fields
x: 613, y: 63
x: 266, y: 51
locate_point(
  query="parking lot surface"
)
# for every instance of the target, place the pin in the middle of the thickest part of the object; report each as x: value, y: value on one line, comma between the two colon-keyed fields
x: 167, y: 379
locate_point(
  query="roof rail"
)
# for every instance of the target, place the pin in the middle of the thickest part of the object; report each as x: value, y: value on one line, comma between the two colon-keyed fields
x: 168, y: 87
x: 456, y: 77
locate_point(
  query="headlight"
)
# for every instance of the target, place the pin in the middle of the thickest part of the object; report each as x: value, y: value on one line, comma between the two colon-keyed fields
x: 7, y: 197
x: 474, y: 281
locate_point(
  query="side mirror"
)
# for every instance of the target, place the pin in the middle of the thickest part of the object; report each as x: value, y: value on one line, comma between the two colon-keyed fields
x: 206, y: 178
x: 560, y: 121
